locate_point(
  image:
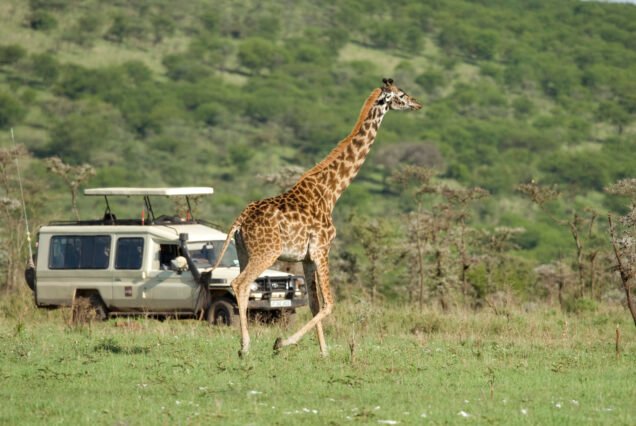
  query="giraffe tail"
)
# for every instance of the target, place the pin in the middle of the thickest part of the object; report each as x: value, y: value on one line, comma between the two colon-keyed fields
x: 235, y: 227
x: 203, y: 299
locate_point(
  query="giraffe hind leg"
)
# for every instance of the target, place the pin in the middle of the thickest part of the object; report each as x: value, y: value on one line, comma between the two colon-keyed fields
x: 322, y: 272
x: 309, y: 268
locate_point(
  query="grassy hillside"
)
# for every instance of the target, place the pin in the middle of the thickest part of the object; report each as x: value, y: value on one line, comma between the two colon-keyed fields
x: 219, y: 94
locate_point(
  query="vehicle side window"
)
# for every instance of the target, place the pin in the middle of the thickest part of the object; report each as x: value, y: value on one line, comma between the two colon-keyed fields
x: 129, y: 253
x: 79, y: 252
x: 167, y: 252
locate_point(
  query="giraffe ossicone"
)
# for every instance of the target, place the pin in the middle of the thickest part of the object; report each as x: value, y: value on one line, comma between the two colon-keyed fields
x: 297, y: 225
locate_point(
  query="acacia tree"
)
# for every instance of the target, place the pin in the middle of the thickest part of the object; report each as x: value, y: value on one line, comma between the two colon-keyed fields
x: 581, y: 227
x: 438, y: 236
x: 624, y: 240
x: 494, y: 244
x: 421, y: 228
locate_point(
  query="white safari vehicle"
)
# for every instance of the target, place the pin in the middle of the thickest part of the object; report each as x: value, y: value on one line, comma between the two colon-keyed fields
x: 150, y: 265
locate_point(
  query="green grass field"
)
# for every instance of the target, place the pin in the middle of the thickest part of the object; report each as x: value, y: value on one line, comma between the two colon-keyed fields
x: 406, y: 367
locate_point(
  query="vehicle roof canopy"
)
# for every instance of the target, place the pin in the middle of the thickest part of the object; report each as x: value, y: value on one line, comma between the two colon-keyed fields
x: 180, y: 191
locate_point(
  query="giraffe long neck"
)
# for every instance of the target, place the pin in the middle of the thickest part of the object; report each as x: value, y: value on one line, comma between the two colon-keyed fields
x: 336, y: 171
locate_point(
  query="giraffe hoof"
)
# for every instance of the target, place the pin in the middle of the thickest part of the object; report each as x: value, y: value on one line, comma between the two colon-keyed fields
x: 278, y: 344
x: 242, y: 353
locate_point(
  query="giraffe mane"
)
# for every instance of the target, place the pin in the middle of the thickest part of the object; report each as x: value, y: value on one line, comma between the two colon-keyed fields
x: 364, y: 112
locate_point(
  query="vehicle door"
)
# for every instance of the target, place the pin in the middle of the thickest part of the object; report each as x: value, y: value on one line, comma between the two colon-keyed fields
x: 169, y: 288
x: 130, y: 290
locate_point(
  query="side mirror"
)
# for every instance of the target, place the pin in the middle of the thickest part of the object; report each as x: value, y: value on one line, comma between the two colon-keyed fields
x: 179, y: 264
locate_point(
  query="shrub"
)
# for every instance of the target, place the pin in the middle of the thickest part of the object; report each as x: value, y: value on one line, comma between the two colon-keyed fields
x: 124, y: 27
x: 11, y: 54
x: 180, y: 66
x: 11, y: 111
x: 210, y: 113
x: 580, y: 305
x: 45, y: 68
x: 431, y: 81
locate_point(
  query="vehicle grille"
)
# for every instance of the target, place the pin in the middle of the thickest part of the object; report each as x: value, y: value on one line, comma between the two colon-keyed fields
x: 275, y: 284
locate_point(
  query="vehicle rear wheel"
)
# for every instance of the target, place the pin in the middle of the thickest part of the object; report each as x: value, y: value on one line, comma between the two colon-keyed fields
x: 88, y: 308
x: 221, y: 312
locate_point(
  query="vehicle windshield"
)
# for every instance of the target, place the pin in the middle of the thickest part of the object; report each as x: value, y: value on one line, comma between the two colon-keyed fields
x: 206, y: 253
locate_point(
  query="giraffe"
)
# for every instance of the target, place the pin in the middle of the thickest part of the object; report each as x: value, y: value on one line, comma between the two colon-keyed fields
x: 297, y: 225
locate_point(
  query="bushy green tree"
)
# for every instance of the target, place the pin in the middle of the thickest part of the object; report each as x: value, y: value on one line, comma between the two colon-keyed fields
x: 10, y: 54
x: 42, y: 20
x: 257, y: 54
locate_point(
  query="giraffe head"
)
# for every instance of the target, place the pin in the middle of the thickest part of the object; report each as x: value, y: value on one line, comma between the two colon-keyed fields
x: 396, y: 98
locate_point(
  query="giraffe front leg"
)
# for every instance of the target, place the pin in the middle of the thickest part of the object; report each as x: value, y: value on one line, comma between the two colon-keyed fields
x: 239, y: 293
x: 240, y: 285
x: 242, y: 300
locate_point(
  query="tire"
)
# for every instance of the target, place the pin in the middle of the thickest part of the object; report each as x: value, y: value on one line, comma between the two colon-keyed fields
x: 88, y: 308
x: 221, y: 312
x: 285, y: 317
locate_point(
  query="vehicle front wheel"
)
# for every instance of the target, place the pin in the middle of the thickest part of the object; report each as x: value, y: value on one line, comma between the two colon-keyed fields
x: 221, y: 312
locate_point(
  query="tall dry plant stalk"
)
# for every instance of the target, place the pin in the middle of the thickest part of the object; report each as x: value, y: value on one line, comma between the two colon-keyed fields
x: 13, y: 230
x: 73, y: 176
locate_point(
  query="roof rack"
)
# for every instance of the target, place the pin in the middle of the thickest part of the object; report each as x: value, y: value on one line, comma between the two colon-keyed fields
x: 186, y: 192
x: 182, y: 191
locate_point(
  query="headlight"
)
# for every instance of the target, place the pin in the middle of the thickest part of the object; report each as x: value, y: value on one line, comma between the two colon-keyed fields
x: 253, y: 287
x: 299, y: 282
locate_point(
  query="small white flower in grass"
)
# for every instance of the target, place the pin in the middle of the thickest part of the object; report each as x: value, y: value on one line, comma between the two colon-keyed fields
x: 388, y: 422
x: 463, y: 414
x: 376, y: 408
x: 177, y: 402
x: 558, y: 405
x: 575, y: 402
x: 524, y: 411
x: 423, y: 415
x: 254, y: 392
